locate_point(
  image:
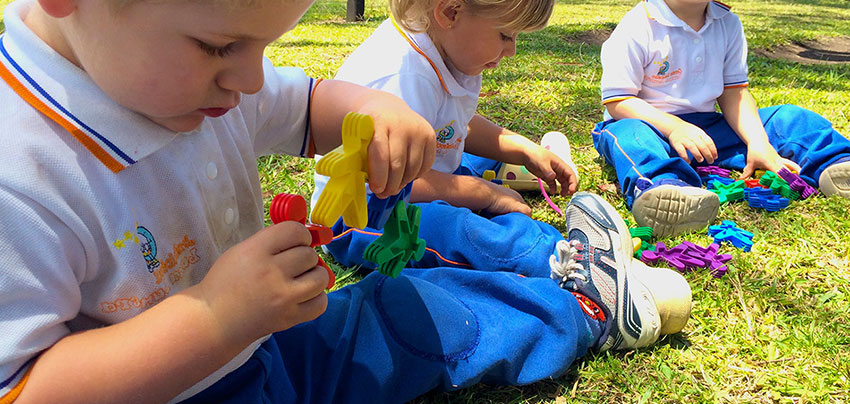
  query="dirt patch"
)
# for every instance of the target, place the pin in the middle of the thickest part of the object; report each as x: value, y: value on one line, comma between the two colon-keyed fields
x: 829, y: 50
x: 592, y: 37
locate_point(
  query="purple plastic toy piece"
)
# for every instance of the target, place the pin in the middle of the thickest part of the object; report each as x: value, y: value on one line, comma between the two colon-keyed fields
x: 797, y: 183
x: 705, y: 171
x: 687, y: 256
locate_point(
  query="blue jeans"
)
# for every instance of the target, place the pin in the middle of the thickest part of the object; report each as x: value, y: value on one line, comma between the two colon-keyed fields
x: 637, y: 149
x: 385, y: 340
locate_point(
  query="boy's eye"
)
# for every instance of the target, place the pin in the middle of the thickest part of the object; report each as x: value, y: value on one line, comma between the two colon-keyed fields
x: 212, y: 50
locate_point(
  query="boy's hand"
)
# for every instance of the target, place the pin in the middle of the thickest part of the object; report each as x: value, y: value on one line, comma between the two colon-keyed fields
x: 402, y: 148
x: 502, y: 199
x: 763, y: 156
x: 267, y: 283
x: 687, y: 137
x: 549, y: 167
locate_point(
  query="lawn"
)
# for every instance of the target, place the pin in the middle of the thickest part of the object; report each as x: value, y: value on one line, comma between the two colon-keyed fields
x: 776, y: 328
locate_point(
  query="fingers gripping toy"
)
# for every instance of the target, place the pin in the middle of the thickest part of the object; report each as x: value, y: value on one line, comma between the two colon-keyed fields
x: 289, y: 207
x: 400, y: 242
x: 345, y: 193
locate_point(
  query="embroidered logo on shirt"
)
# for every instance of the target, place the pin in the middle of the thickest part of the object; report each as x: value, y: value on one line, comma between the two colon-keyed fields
x: 446, y: 133
x: 148, y: 248
x: 664, y: 75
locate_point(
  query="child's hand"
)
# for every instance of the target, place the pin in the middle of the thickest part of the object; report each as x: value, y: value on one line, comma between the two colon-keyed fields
x: 267, y: 283
x: 763, y: 156
x: 687, y: 137
x: 549, y: 167
x: 503, y: 200
x: 402, y: 147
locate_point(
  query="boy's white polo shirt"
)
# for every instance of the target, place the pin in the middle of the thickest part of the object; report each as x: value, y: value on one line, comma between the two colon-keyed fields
x: 105, y: 213
x: 410, y: 67
x: 655, y: 56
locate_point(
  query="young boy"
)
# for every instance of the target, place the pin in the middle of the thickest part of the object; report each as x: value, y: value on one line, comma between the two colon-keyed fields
x: 664, y: 67
x: 135, y: 263
x: 431, y: 54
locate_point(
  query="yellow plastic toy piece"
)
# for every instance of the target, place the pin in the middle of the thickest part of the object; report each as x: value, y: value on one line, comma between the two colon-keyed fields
x: 345, y: 193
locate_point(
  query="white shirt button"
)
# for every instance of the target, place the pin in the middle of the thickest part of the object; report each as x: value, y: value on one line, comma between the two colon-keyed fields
x: 696, y: 40
x: 228, y: 216
x: 212, y: 170
x: 699, y: 59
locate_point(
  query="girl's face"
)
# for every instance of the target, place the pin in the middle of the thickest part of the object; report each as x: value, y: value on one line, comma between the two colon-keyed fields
x: 472, y: 43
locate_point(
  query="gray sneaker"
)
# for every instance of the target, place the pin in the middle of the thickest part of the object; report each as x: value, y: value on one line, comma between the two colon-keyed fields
x: 595, y: 263
x: 835, y: 180
x: 672, y: 207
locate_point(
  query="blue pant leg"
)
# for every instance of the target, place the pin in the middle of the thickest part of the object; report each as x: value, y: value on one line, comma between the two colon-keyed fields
x: 387, y: 340
x: 475, y: 166
x: 636, y: 149
x: 458, y: 237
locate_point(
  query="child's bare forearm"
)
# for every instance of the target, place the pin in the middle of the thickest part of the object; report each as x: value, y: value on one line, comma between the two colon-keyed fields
x: 149, y: 358
x: 741, y: 113
x: 639, y: 109
x: 486, y: 139
x: 457, y: 190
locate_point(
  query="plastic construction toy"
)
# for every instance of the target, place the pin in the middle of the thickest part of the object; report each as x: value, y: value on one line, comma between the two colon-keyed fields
x: 641, y: 236
x: 379, y: 210
x: 752, y: 183
x: 709, y: 180
x: 345, y: 193
x: 688, y: 256
x: 705, y: 171
x: 765, y: 199
x: 778, y: 185
x: 797, y: 183
x: 729, y: 232
x: 289, y: 207
x: 400, y: 242
x: 728, y: 192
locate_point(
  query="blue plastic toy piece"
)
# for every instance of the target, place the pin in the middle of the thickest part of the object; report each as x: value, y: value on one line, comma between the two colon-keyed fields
x: 765, y: 199
x: 379, y: 210
x: 730, y: 232
x: 707, y: 180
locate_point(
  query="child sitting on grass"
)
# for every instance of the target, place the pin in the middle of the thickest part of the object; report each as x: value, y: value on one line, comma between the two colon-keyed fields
x: 665, y: 67
x: 135, y: 263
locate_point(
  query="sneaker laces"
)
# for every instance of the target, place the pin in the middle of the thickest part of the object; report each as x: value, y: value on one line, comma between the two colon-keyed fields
x: 564, y: 265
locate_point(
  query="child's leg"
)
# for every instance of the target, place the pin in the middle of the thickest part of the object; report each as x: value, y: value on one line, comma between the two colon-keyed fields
x: 460, y: 238
x: 391, y: 340
x: 637, y: 150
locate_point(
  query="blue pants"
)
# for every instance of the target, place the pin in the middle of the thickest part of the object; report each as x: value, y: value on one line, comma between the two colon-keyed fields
x: 636, y: 149
x: 385, y: 340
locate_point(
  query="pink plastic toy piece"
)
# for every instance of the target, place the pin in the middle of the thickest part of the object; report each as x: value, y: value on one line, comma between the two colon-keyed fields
x: 546, y: 196
x: 288, y: 207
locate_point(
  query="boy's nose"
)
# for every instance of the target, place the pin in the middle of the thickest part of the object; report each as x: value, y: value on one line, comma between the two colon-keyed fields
x: 246, y: 77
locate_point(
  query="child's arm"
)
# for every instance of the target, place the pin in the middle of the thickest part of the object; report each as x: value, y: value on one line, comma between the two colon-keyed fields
x: 740, y: 111
x: 402, y: 147
x: 267, y: 283
x: 683, y: 136
x: 474, y: 193
x: 486, y: 139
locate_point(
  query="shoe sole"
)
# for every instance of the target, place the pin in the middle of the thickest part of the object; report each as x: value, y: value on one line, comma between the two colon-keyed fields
x: 647, y: 332
x: 669, y: 211
x: 835, y: 180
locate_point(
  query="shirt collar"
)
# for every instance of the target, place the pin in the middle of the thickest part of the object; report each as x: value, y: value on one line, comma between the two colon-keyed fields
x: 64, y: 93
x: 454, y: 82
x: 658, y: 10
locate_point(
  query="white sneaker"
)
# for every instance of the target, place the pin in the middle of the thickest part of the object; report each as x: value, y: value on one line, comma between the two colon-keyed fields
x: 672, y: 207
x: 835, y: 180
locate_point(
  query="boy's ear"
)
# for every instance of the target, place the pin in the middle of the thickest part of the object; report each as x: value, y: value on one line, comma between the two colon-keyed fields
x: 58, y: 8
x: 446, y: 13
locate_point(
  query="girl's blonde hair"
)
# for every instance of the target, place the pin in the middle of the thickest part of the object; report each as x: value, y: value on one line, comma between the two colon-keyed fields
x: 515, y: 15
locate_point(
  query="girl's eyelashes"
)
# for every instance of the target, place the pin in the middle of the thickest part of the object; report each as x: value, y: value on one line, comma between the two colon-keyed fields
x: 212, y: 50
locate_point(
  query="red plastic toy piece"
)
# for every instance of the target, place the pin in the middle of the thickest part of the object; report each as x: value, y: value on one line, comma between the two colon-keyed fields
x: 288, y: 207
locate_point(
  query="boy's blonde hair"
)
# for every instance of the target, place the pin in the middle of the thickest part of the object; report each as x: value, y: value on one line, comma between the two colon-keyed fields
x: 515, y: 15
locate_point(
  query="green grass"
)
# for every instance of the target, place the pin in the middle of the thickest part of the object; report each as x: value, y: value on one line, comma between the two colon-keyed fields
x: 776, y: 328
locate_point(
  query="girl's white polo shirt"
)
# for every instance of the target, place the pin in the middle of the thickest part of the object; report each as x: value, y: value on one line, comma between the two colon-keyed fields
x: 105, y: 213
x: 655, y: 56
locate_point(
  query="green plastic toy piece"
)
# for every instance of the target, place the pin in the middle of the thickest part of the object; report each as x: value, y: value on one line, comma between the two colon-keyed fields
x: 345, y: 193
x: 643, y: 233
x: 400, y: 242
x: 778, y: 185
x: 729, y: 193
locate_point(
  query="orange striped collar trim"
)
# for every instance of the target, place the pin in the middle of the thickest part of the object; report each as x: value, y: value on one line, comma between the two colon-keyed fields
x: 416, y: 48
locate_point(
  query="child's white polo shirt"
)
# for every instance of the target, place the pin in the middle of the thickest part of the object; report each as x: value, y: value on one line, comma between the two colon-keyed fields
x: 105, y: 213
x: 410, y: 67
x: 655, y: 56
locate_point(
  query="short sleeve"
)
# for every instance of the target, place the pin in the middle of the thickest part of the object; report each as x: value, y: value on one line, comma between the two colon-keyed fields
x: 622, y: 65
x: 421, y: 94
x: 735, y: 61
x: 278, y: 116
x: 40, y: 272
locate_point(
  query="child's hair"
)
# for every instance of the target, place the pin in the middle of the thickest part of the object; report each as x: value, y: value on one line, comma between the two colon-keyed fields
x: 516, y: 15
